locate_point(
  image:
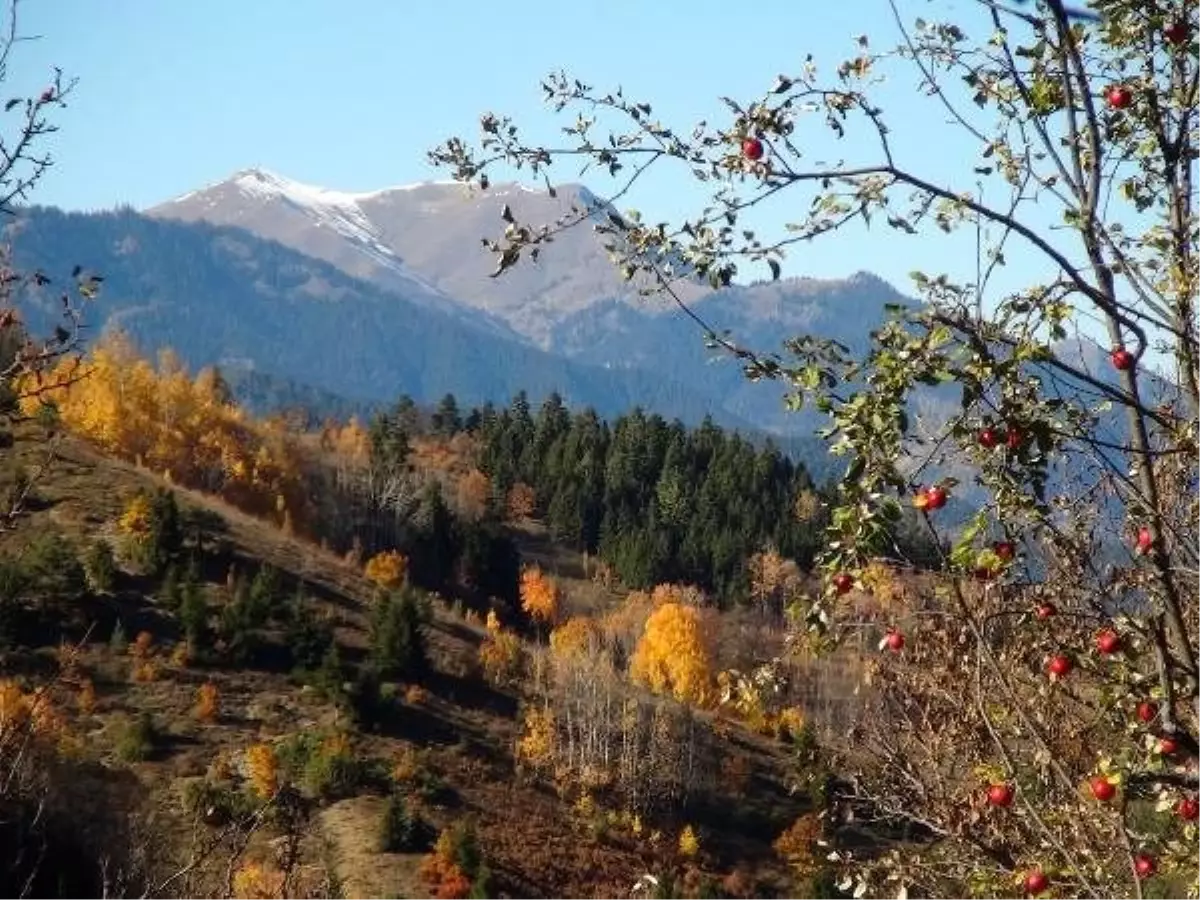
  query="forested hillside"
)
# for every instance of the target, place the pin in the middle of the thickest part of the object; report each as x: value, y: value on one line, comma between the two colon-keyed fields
x: 370, y: 628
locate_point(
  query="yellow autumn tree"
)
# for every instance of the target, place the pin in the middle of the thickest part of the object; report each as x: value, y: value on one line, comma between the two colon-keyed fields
x: 689, y: 843
x: 262, y: 769
x: 187, y: 429
x: 536, y: 744
x: 540, y: 595
x: 135, y: 520
x: 351, y: 442
x: 573, y: 636
x: 501, y: 657
x: 387, y: 569
x: 774, y: 580
x: 675, y: 654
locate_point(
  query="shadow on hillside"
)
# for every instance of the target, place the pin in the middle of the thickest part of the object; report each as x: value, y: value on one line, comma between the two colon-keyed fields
x: 536, y: 547
x: 471, y: 694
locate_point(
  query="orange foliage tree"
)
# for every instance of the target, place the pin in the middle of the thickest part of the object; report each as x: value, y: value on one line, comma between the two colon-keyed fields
x: 521, y: 501
x: 206, y: 702
x: 387, y: 569
x: 675, y: 654
x: 540, y: 595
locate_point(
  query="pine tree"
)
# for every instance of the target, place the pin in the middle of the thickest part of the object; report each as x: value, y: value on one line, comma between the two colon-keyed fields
x: 397, y: 639
x: 193, y: 613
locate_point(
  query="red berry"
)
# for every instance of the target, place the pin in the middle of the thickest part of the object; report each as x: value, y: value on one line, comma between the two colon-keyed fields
x: 1000, y: 795
x: 1147, y: 711
x: 1168, y: 746
x: 1144, y: 865
x: 935, y: 497
x: 988, y: 438
x: 1119, y: 96
x: 1122, y: 359
x: 1036, y: 882
x: 1102, y: 789
x: 1145, y: 540
x: 843, y: 582
x: 1177, y: 32
x: 1005, y: 550
x: 752, y: 149
x: 1046, y: 611
x: 1188, y: 809
x: 1108, y: 641
x: 1060, y: 665
x: 895, y: 641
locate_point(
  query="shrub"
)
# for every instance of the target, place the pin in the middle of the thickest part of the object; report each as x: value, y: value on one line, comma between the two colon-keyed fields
x: 52, y: 567
x: 118, y: 641
x: 266, y: 592
x: 309, y: 638
x: 136, y: 738
x: 100, y: 567
x: 460, y: 844
x: 324, y: 764
x: 364, y: 700
x: 153, y: 530
x: 216, y: 802
x: 207, y: 698
x: 399, y: 830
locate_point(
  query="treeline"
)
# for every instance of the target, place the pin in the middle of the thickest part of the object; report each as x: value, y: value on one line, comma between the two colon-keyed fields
x: 657, y: 502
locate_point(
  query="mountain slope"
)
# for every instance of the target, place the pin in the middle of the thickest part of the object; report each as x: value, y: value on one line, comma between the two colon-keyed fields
x: 222, y: 295
x: 760, y: 317
x: 327, y: 225
x: 431, y: 231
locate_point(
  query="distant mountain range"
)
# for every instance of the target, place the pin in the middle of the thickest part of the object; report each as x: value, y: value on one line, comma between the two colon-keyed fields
x: 348, y: 300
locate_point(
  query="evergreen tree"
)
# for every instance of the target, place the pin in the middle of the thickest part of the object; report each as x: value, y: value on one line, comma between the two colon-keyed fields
x: 193, y: 612
x: 166, y: 530
x: 446, y: 421
x: 170, y: 592
x: 309, y: 639
x: 435, y: 546
x: 397, y: 640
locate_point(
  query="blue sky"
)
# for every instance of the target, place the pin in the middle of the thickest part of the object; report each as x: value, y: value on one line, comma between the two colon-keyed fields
x: 350, y: 95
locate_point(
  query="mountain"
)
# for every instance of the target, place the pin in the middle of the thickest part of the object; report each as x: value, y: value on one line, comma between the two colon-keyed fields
x: 327, y: 225
x: 760, y: 316
x: 430, y: 232
x: 223, y: 295
x: 572, y: 301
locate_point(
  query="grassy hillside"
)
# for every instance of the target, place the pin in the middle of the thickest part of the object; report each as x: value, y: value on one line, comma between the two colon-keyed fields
x: 182, y: 818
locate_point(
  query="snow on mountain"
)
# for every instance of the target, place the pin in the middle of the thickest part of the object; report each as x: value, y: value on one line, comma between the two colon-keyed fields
x: 327, y: 224
x: 337, y: 210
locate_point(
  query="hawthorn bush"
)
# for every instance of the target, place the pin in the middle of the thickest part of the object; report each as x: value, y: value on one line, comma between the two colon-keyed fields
x: 1028, y: 713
